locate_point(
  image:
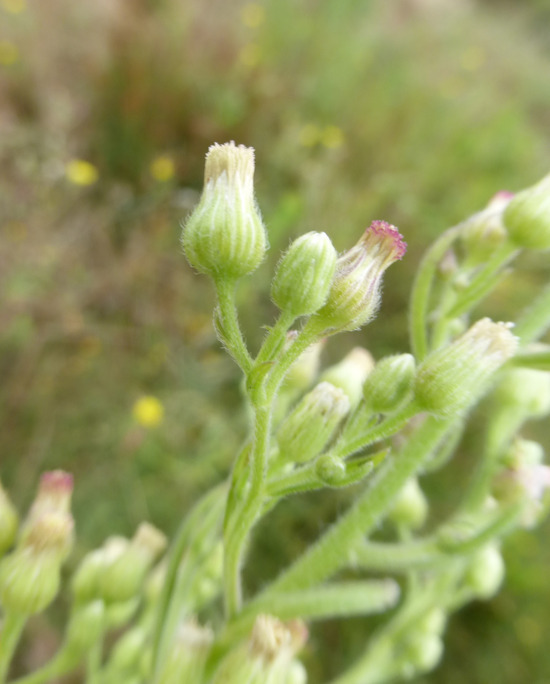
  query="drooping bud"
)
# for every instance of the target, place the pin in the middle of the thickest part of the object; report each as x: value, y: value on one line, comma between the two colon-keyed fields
x: 527, y: 216
x: 485, y: 231
x: 453, y: 378
x: 390, y: 384
x: 410, y: 508
x: 350, y: 374
x: 485, y: 572
x: 268, y: 655
x: 187, y: 657
x: 9, y: 521
x: 356, y: 289
x: 304, y: 275
x: 225, y: 236
x: 312, y: 423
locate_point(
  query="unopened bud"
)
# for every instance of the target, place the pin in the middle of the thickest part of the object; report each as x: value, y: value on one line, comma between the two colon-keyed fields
x: 390, y: 384
x: 88, y: 577
x: 527, y: 216
x: 53, y: 496
x: 304, y: 370
x: 485, y: 572
x: 525, y: 391
x: 187, y: 657
x: 304, y: 275
x: 356, y: 289
x: 350, y: 374
x: 485, y: 231
x: 225, y: 236
x: 128, y: 651
x: 312, y: 424
x: 49, y: 533
x: 410, y: 509
x: 424, y: 651
x: 453, y: 378
x: 8, y: 521
x: 85, y: 628
x: 331, y: 470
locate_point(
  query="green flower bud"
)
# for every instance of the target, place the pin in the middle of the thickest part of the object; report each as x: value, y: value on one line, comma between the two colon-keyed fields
x: 410, y: 509
x: 53, y: 496
x: 304, y: 275
x: 350, y: 374
x: 312, y: 423
x: 527, y: 216
x: 525, y: 391
x: 424, y: 651
x: 187, y: 657
x: 524, y: 453
x: 485, y: 572
x: 453, y: 378
x: 87, y: 579
x: 390, y: 384
x: 356, y: 289
x: 122, y: 578
x: 85, y: 628
x: 331, y: 470
x: 304, y: 370
x: 127, y: 652
x: 485, y: 231
x: 433, y: 622
x: 297, y: 673
x: 224, y: 236
x: 8, y: 521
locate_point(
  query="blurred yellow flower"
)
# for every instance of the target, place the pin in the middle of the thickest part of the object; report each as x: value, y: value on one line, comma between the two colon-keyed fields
x: 9, y: 54
x: 250, y: 55
x: 309, y: 135
x: 162, y: 168
x: 81, y: 172
x: 332, y: 137
x: 148, y: 411
x: 14, y: 6
x: 252, y: 15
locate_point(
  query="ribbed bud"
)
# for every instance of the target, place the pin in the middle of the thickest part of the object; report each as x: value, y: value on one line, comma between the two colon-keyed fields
x: 350, y: 374
x: 304, y: 275
x: 225, y: 236
x: 53, y: 496
x: 410, y: 508
x: 356, y: 289
x: 453, y: 378
x: 187, y: 657
x: 524, y: 390
x: 50, y: 533
x: 485, y: 231
x: 9, y: 521
x: 527, y: 216
x: 312, y: 423
x: 390, y: 383
x: 268, y: 655
x: 485, y: 572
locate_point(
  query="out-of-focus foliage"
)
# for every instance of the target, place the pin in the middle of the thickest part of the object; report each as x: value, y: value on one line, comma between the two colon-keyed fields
x: 414, y: 111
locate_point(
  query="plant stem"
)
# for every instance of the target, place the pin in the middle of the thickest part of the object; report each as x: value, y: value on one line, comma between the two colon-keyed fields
x: 12, y: 627
x: 227, y: 323
x: 275, y: 339
x: 535, y: 321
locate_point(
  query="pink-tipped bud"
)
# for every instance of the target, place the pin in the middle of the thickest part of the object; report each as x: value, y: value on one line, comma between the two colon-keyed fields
x: 356, y: 288
x: 54, y: 493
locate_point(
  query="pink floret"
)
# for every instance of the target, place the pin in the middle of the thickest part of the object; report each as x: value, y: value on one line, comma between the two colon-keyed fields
x: 56, y: 480
x: 384, y: 228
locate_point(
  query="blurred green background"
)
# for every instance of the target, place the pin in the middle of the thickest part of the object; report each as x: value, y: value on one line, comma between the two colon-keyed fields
x: 413, y: 111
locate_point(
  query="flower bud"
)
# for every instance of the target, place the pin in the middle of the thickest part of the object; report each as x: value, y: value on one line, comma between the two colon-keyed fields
x: 485, y: 231
x: 304, y: 275
x: 187, y: 657
x: 485, y: 572
x: 85, y: 628
x: 390, y: 384
x: 8, y: 521
x: 355, y: 293
x: 350, y: 374
x: 225, y: 236
x: 525, y: 391
x: 87, y: 578
x: 127, y: 652
x: 527, y: 216
x: 424, y: 651
x: 312, y: 424
x: 54, y: 495
x: 304, y: 370
x: 453, y: 378
x: 331, y: 470
x: 410, y: 509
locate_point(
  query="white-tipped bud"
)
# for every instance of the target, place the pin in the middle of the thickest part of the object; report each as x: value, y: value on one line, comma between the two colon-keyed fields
x: 527, y: 216
x: 454, y: 378
x: 350, y: 374
x: 312, y: 423
x: 187, y: 657
x: 304, y: 275
x: 225, y: 236
x: 356, y: 289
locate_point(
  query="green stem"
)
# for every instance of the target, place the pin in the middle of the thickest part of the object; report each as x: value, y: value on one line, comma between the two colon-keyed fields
x: 332, y: 551
x: 227, y: 323
x: 93, y: 662
x: 483, y: 282
x: 275, y: 339
x: 535, y: 321
x: 12, y: 628
x: 420, y: 298
x: 539, y: 360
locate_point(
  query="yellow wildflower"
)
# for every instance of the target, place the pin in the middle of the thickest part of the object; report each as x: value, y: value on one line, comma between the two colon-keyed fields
x: 148, y: 411
x: 162, y: 168
x: 252, y: 15
x: 81, y: 172
x: 9, y: 54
